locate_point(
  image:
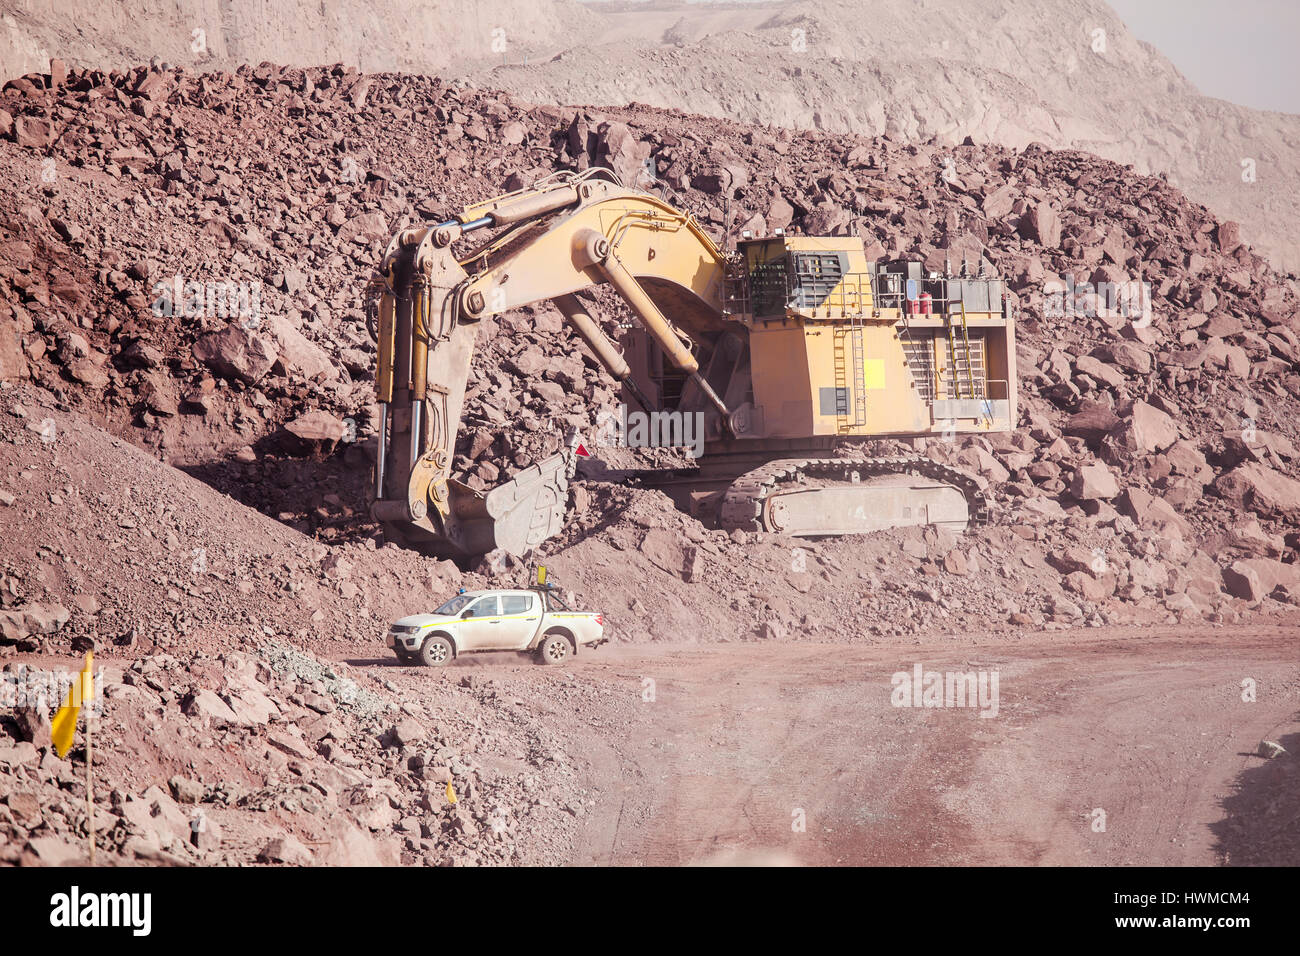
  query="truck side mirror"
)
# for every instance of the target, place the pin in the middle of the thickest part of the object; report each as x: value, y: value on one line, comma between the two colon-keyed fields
x: 467, y: 613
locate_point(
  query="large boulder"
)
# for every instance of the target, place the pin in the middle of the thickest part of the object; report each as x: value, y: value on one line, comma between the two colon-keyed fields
x: 997, y: 204
x: 1092, y: 422
x: 779, y: 214
x: 13, y: 364
x: 317, y: 426
x: 156, y: 818
x: 978, y: 460
x: 1155, y: 513
x: 235, y: 352
x: 251, y: 707
x: 1127, y: 355
x: 1258, y: 488
x: 348, y: 846
x: 207, y: 705
x: 55, y: 851
x: 33, y: 131
x: 723, y: 179
x: 1242, y: 581
x: 1270, y: 574
x: 1100, y: 371
x: 1186, y: 459
x: 665, y: 549
x: 1248, y: 536
x: 1094, y: 482
x: 364, y: 228
x: 623, y: 152
x: 828, y: 219
x: 1228, y: 236
x: 1042, y: 225
x: 285, y: 849
x: 1147, y: 430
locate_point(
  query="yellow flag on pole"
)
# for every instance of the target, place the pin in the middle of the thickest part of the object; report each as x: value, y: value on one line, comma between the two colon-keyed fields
x: 64, y: 725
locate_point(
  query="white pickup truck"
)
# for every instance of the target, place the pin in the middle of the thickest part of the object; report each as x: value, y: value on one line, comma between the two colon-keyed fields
x: 535, y: 619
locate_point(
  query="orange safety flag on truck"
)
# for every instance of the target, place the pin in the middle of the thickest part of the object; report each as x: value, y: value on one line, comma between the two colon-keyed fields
x: 64, y: 725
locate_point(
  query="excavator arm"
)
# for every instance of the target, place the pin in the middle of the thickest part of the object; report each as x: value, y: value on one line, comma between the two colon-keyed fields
x: 566, y: 233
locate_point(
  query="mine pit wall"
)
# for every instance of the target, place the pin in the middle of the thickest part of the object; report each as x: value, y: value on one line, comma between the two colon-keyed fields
x: 222, y: 34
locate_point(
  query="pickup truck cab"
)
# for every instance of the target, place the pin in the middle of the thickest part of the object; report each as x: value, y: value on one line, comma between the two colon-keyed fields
x: 530, y: 620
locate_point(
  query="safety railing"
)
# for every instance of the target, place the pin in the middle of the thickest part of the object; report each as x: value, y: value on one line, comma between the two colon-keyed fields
x: 770, y: 291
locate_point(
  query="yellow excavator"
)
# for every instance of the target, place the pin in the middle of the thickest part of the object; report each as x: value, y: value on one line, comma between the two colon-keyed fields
x: 782, y: 347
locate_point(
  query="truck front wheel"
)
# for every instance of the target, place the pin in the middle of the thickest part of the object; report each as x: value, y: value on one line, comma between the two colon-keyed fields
x: 554, y: 649
x: 436, y: 651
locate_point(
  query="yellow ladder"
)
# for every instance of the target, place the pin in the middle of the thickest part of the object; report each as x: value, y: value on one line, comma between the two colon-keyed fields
x: 952, y: 351
x: 857, y: 335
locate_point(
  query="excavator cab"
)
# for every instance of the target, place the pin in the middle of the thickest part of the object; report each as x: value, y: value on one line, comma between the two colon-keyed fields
x: 843, y: 346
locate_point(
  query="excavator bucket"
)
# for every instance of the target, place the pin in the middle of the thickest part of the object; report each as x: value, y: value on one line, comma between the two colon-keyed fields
x: 515, y: 516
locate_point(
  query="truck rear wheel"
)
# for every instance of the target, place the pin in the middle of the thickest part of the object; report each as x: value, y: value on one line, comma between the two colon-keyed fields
x: 554, y: 649
x: 436, y: 651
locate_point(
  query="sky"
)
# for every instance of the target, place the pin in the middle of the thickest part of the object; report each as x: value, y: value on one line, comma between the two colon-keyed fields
x: 1243, y: 51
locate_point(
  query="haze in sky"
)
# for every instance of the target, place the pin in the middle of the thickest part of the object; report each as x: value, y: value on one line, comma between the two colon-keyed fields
x: 1243, y: 51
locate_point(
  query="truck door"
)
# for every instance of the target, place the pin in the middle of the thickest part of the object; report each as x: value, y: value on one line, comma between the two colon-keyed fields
x: 520, y: 615
x: 479, y: 624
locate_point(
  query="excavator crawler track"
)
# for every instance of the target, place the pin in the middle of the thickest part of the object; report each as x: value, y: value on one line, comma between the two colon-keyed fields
x: 749, y: 503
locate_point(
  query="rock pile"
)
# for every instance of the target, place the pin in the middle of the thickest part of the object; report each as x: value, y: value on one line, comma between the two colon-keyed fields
x: 322, y: 772
x: 1165, y: 434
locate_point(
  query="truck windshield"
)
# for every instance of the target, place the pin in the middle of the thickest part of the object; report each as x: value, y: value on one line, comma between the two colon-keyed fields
x: 455, y: 604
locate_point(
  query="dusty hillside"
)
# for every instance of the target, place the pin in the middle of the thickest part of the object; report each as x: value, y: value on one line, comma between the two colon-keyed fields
x: 1182, y: 429
x: 900, y: 68
x: 222, y: 34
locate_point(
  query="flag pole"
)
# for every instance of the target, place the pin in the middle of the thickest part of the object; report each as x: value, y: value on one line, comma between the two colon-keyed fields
x: 90, y: 793
x: 63, y: 730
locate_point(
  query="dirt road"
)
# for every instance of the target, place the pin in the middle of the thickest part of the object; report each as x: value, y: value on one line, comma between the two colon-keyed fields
x: 794, y: 753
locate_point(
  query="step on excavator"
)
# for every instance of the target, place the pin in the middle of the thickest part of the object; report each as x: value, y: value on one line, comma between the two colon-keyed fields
x: 786, y: 347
